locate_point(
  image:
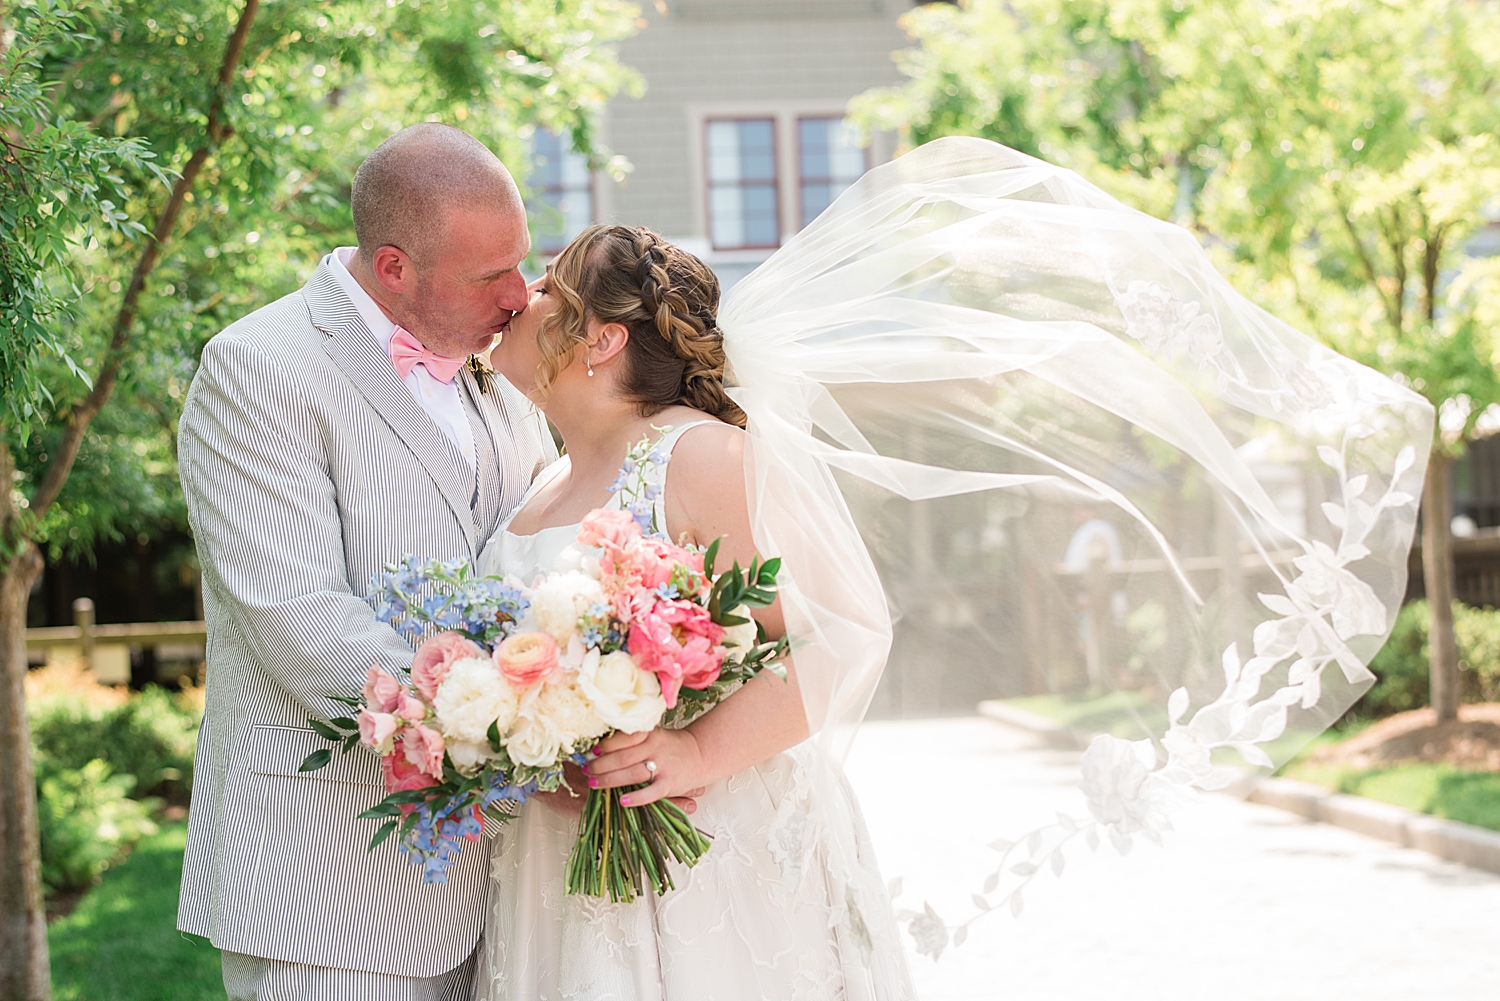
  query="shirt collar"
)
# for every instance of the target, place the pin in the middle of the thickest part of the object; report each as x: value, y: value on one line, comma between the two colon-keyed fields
x: 380, y: 325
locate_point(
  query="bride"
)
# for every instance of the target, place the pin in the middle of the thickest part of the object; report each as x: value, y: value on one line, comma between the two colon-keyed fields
x: 952, y: 384
x: 620, y: 342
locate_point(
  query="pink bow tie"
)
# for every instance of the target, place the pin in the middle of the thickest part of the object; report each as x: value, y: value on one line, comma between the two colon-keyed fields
x: 407, y: 351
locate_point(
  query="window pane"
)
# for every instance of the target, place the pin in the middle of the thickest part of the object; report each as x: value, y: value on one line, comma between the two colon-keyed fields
x: 561, y: 204
x: 829, y: 159
x: 741, y: 166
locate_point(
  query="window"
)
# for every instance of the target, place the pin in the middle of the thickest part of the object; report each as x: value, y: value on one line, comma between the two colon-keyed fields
x: 562, y: 194
x: 829, y: 160
x: 742, y: 183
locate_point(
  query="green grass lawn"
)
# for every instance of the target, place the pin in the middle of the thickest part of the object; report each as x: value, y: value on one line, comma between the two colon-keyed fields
x: 121, y: 943
x: 1442, y: 790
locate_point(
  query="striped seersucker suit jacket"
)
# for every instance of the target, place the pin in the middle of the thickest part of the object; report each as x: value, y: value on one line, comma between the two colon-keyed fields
x: 307, y: 465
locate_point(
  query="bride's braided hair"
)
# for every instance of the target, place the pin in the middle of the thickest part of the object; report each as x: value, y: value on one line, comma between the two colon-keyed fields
x: 664, y: 296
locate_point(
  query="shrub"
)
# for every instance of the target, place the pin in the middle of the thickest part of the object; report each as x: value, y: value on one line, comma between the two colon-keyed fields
x: 149, y: 738
x: 87, y: 820
x: 1402, y: 669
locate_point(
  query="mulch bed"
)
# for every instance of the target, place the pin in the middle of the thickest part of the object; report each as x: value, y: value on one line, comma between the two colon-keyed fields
x: 1472, y: 741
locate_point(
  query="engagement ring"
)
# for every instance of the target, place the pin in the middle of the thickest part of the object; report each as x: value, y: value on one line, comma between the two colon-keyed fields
x: 651, y: 767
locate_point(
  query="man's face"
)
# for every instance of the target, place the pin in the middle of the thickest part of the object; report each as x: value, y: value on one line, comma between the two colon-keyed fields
x: 467, y: 292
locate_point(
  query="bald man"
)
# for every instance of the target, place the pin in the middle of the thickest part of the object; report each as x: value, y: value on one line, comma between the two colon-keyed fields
x: 325, y: 435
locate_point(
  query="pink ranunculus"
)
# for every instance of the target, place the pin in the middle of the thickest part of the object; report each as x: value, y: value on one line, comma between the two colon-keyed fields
x: 382, y: 692
x: 433, y: 658
x: 526, y: 658
x: 608, y: 528
x: 680, y: 644
x: 401, y: 774
x: 424, y: 749
x: 410, y: 708
x: 376, y: 729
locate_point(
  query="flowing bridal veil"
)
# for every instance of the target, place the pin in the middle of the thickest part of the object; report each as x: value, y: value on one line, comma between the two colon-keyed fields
x: 1037, y: 430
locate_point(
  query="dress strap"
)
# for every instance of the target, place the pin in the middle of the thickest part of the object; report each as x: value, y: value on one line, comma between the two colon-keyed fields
x: 656, y: 474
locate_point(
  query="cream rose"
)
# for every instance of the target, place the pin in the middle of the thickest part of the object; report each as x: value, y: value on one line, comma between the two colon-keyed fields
x: 558, y: 602
x: 742, y: 637
x: 569, y: 711
x: 534, y: 742
x: 471, y: 697
x: 469, y: 756
x: 624, y: 696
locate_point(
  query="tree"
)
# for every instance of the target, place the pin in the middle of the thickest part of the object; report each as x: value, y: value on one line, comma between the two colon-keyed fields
x: 260, y: 114
x: 1339, y: 155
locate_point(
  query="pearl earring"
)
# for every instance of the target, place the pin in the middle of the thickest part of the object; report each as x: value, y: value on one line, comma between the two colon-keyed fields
x: 591, y: 367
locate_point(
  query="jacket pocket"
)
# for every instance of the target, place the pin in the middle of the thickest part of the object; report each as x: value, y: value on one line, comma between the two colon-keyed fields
x: 280, y: 750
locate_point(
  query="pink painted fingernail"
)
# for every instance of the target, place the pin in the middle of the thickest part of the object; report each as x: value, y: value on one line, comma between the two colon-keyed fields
x: 597, y: 752
x: 624, y: 800
x: 593, y: 783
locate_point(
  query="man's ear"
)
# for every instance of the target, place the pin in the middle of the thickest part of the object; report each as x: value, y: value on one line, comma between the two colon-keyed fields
x: 394, y: 270
x: 608, y: 341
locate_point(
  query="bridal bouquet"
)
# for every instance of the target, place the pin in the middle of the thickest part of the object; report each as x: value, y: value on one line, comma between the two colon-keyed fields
x: 630, y: 632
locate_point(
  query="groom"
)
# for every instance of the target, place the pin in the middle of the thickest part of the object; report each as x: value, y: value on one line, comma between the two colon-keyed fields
x: 330, y: 432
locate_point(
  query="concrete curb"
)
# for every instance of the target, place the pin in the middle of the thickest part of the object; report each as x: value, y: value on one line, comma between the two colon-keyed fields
x: 1465, y: 844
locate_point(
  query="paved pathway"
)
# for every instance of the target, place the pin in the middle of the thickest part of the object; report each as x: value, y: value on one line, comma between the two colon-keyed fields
x: 1245, y: 902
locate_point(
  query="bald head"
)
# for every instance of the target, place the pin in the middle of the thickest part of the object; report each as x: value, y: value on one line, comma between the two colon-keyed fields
x: 404, y: 192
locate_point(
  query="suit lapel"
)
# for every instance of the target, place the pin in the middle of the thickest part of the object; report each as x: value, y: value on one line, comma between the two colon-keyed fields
x: 360, y: 357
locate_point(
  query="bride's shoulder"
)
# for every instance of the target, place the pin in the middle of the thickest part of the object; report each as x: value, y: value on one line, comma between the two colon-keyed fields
x: 705, y: 459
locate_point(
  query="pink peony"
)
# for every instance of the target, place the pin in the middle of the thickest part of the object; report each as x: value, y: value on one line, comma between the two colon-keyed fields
x: 375, y: 729
x: 401, y: 774
x: 424, y: 749
x: 526, y: 658
x: 382, y: 692
x: 680, y: 644
x: 608, y: 528
x: 646, y: 565
x: 433, y: 658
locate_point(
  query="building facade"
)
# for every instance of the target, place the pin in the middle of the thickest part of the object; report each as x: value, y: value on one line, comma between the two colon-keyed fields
x: 739, y: 139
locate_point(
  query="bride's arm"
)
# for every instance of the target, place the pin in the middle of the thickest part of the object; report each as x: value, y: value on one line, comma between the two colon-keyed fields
x: 706, y: 501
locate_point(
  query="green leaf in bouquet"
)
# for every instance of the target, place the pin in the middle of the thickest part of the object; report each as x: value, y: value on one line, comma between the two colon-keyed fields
x: 324, y: 730
x: 349, y: 742
x: 344, y: 723
x: 768, y: 571
x: 381, y: 834
x: 493, y: 735
x: 410, y: 797
x: 346, y: 700
x: 316, y: 760
x: 709, y: 555
x: 731, y: 620
x: 385, y: 808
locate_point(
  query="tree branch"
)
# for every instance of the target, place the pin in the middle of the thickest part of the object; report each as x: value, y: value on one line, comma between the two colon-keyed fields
x: 218, y: 129
x: 1392, y: 312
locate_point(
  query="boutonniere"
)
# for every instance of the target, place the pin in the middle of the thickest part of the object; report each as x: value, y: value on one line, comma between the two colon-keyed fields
x: 481, y: 369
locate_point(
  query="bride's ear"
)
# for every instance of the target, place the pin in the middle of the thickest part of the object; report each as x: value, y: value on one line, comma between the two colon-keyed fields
x: 606, y: 341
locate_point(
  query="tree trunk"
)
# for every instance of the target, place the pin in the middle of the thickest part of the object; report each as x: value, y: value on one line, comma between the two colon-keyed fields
x: 23, y: 921
x: 1437, y: 576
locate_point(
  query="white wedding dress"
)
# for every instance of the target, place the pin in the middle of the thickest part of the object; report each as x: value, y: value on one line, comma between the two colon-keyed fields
x: 761, y: 917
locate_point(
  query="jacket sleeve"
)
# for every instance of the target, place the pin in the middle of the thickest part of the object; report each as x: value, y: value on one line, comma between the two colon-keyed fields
x: 261, y: 501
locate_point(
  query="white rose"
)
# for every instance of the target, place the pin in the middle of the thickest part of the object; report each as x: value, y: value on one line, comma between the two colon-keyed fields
x: 535, y: 742
x: 473, y: 696
x: 741, y: 637
x: 568, y: 710
x: 469, y: 756
x: 624, y: 696
x: 559, y: 600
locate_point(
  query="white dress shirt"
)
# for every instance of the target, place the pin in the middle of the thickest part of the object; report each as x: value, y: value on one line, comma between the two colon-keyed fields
x: 439, y: 399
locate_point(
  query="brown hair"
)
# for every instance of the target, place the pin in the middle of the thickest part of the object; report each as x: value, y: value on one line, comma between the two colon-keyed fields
x: 664, y: 296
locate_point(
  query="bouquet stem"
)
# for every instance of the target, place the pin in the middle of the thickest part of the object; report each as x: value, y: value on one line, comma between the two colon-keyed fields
x: 618, y: 845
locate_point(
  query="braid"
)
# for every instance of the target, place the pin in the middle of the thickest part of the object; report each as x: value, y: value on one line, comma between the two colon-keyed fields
x: 665, y: 297
x: 693, y: 336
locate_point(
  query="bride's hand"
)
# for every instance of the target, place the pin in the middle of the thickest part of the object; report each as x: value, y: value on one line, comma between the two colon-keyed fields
x: 620, y: 760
